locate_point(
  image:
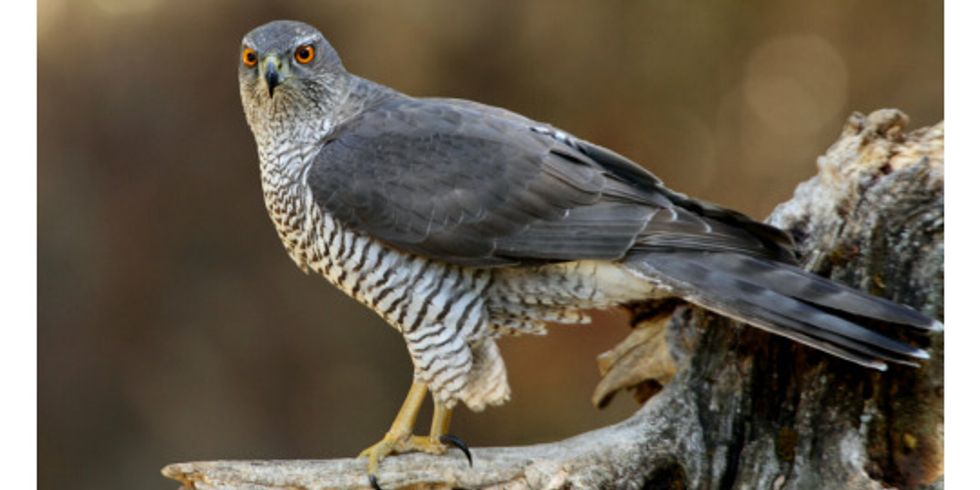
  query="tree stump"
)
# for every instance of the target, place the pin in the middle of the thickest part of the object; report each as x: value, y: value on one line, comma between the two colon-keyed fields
x: 726, y: 405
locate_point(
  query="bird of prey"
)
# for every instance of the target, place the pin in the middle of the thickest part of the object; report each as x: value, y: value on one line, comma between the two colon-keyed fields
x: 459, y: 222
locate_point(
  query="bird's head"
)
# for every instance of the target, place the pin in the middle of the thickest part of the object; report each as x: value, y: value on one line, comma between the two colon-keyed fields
x: 288, y: 68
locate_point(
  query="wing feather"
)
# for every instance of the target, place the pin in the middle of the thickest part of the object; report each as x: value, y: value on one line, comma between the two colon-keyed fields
x: 475, y: 185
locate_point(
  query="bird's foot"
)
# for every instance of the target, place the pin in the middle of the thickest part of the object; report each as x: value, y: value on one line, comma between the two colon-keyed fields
x: 398, y: 444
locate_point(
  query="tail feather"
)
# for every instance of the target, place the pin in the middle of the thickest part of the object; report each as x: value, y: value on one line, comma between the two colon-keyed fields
x: 867, y: 354
x: 811, y: 288
x: 787, y: 301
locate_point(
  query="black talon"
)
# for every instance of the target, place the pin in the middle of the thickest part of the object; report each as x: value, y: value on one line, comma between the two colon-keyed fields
x: 455, y: 441
x: 374, y: 482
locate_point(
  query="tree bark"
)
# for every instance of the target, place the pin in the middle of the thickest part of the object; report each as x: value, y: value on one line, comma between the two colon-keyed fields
x: 726, y: 405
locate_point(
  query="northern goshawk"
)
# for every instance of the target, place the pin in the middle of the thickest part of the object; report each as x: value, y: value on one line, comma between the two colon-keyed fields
x: 459, y: 223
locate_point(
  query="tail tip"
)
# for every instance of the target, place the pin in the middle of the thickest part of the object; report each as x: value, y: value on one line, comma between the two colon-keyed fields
x: 920, y: 354
x: 937, y: 326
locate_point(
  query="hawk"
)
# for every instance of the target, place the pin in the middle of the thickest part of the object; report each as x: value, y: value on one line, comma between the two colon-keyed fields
x: 459, y: 222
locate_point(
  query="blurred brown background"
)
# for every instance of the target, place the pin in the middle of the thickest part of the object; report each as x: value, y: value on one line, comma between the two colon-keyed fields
x: 174, y: 327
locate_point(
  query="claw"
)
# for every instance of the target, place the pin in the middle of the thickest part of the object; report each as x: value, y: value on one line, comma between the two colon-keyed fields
x: 374, y: 482
x: 458, y: 443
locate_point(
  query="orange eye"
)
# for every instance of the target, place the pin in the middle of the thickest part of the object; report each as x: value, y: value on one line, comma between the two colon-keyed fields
x: 304, y: 54
x: 249, y: 58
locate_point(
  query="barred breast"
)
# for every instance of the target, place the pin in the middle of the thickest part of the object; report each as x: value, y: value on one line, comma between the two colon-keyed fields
x: 448, y: 314
x: 439, y: 308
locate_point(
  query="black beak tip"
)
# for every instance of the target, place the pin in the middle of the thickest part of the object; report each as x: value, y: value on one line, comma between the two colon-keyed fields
x: 272, y: 79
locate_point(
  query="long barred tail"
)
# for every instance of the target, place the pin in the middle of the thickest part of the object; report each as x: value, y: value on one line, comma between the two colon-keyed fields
x: 788, y: 301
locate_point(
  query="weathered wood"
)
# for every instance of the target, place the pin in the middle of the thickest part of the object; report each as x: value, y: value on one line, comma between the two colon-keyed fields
x: 741, y: 408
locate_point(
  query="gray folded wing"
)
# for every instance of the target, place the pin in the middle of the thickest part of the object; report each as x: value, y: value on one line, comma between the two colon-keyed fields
x: 475, y: 185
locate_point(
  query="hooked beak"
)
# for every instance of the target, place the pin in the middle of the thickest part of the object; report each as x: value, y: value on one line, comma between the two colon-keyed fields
x: 270, y: 72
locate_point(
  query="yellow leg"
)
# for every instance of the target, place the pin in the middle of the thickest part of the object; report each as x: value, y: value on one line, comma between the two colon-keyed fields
x: 439, y: 433
x: 399, y: 438
x: 401, y: 428
x: 405, y: 420
x: 441, y: 417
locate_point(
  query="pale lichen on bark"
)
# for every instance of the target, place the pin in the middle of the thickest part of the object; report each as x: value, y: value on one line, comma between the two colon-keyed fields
x: 735, y: 407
